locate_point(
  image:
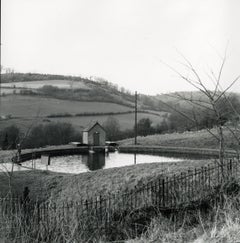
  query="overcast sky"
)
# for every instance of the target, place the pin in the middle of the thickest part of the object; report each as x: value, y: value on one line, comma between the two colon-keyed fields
x: 123, y: 41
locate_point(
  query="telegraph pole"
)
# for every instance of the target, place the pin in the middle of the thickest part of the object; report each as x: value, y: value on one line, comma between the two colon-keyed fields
x: 135, y: 127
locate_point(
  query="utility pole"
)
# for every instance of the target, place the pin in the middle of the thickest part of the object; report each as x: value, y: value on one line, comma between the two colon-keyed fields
x: 135, y: 127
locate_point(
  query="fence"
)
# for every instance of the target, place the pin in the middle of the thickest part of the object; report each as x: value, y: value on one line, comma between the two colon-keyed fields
x: 178, y: 191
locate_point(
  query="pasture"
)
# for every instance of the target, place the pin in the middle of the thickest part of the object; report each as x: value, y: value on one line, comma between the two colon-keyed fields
x: 126, y: 120
x: 32, y: 106
x: 62, y: 84
x: 79, y: 122
x: 31, y: 110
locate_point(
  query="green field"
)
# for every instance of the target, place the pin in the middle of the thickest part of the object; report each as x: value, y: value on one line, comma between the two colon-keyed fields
x: 31, y: 110
x: 63, y: 84
x: 126, y: 121
x: 32, y: 106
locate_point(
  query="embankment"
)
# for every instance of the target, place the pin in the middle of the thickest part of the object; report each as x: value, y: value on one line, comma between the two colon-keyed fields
x: 173, y: 150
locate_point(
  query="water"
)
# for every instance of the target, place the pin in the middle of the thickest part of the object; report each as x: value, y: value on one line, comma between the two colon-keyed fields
x: 95, y: 161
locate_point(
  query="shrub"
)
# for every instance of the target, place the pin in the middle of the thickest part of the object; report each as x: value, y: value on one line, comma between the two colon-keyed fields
x: 9, y: 137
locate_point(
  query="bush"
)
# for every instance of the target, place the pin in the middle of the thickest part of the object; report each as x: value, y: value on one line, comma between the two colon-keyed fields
x: 9, y: 137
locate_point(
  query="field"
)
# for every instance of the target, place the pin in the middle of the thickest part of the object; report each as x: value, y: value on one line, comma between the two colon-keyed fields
x: 126, y: 121
x: 31, y: 106
x: 27, y: 110
x: 64, y: 84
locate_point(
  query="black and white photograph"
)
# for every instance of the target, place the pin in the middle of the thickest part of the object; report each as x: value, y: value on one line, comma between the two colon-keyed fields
x: 120, y: 121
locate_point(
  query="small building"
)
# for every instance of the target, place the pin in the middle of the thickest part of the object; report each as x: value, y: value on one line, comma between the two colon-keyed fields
x: 94, y: 135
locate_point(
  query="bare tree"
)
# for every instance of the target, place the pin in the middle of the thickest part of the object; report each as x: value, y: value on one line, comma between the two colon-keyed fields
x: 14, y: 157
x: 216, y: 102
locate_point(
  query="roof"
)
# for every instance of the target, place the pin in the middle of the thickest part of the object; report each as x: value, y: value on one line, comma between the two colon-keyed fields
x: 91, y: 125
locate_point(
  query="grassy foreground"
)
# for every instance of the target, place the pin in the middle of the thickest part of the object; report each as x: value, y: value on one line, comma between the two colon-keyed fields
x: 214, y: 223
x: 219, y: 224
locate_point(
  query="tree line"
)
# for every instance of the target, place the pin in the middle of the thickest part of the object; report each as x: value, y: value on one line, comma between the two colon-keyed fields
x: 39, y: 136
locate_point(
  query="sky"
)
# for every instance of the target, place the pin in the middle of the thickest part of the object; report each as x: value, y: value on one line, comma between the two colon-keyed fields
x: 131, y: 43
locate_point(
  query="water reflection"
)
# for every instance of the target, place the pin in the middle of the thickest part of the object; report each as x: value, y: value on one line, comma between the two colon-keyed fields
x: 94, y: 161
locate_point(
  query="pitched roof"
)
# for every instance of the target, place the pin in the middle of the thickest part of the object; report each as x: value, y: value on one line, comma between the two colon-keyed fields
x: 91, y: 125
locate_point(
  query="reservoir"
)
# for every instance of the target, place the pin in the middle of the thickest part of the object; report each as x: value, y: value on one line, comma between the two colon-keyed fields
x: 94, y: 161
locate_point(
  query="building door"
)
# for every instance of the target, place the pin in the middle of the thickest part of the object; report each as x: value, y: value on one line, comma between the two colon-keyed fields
x: 96, y: 139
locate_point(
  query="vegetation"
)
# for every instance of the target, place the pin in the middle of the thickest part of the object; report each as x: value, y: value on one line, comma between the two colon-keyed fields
x: 30, y: 106
x: 219, y: 224
x: 214, y: 220
x: 60, y: 187
x: 9, y: 137
x: 195, y: 117
x: 39, y: 136
x: 112, y: 128
x: 206, y: 119
x: 192, y: 139
x: 12, y: 76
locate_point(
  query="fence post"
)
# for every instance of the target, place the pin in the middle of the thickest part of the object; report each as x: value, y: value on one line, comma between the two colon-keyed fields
x: 163, y: 192
x: 217, y: 168
x: 182, y: 187
x: 195, y: 181
x: 202, y: 180
x: 174, y: 191
x: 230, y: 167
x: 189, y: 185
x: 100, y: 208
x: 156, y: 190
x: 159, y: 192
x: 209, y: 177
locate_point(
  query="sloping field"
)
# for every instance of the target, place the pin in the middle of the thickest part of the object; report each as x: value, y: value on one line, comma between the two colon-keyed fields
x: 31, y: 106
x: 80, y: 122
x: 31, y: 110
x: 63, y: 84
x: 126, y: 120
x: 196, y: 139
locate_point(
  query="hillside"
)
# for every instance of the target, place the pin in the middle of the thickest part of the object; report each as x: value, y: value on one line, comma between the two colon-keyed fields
x: 25, y: 110
x: 30, y: 98
x: 64, y: 87
x: 192, y: 139
x: 183, y: 99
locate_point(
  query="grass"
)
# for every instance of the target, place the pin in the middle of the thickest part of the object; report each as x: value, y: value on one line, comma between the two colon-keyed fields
x: 192, y: 139
x: 211, y: 224
x: 31, y: 106
x: 220, y: 224
x: 126, y: 120
x: 24, y: 110
x: 61, y: 187
x: 216, y: 225
x: 80, y: 122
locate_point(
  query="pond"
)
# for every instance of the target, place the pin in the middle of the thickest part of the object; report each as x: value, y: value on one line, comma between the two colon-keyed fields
x: 95, y: 161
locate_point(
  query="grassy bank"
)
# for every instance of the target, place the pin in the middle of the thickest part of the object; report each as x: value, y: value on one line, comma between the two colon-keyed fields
x: 210, y: 224
x: 192, y: 139
x: 62, y: 187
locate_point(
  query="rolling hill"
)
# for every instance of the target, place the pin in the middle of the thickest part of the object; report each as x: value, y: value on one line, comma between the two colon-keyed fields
x: 30, y: 98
